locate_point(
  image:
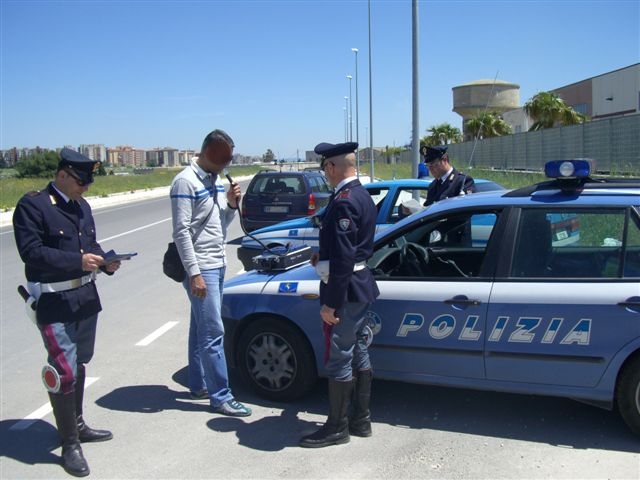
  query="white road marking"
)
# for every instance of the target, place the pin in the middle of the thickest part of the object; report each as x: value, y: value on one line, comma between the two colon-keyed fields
x: 44, y: 410
x: 161, y: 331
x: 134, y: 230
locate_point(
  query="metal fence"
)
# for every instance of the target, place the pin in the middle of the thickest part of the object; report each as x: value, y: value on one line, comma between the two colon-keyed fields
x: 613, y: 143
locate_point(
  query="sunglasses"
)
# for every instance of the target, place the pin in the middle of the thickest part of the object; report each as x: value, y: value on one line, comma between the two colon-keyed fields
x: 324, y: 164
x: 79, y: 181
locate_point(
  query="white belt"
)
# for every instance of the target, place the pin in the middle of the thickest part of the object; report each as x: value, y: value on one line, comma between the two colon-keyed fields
x: 67, y: 284
x: 322, y: 269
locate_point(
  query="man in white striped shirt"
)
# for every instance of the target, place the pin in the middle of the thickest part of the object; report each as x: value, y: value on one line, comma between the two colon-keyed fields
x: 201, y: 212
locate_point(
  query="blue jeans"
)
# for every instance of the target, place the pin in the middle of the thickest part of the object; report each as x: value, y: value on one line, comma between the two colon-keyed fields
x: 347, y: 348
x: 207, y: 363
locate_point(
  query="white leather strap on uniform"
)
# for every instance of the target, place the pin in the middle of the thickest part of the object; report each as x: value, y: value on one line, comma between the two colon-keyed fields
x: 67, y: 284
x: 322, y: 269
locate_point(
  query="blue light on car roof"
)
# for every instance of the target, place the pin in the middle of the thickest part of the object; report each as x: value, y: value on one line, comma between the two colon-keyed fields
x: 578, y: 168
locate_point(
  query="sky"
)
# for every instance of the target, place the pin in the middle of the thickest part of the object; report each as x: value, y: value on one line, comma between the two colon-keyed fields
x: 273, y: 74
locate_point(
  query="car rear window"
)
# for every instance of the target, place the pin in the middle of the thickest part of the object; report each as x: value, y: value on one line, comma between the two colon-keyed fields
x: 319, y: 184
x: 278, y: 184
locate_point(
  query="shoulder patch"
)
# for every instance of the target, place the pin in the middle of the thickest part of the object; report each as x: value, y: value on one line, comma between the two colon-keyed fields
x: 344, y: 223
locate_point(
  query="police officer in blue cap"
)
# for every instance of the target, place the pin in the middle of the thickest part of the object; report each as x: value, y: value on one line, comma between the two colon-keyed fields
x: 447, y: 181
x: 347, y: 290
x: 56, y: 237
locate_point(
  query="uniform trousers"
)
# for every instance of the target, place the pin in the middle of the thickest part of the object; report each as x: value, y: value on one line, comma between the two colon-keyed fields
x: 68, y: 345
x: 347, y: 342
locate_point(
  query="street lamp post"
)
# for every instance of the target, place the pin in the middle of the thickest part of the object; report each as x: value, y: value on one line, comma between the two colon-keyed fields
x: 344, y: 122
x: 350, y: 111
x: 355, y: 50
x: 346, y: 119
x: 370, y: 100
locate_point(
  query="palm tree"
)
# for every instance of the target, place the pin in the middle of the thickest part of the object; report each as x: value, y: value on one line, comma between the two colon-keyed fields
x: 487, y: 125
x: 442, y: 134
x: 548, y: 110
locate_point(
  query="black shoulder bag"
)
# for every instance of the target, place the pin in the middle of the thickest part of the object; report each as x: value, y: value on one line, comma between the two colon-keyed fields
x: 171, y: 262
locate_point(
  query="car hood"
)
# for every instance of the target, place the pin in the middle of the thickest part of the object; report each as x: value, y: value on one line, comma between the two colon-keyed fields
x: 277, y: 229
x: 255, y: 281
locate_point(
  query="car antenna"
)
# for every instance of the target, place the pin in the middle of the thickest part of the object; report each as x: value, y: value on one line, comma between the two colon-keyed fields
x: 475, y: 140
x: 225, y: 172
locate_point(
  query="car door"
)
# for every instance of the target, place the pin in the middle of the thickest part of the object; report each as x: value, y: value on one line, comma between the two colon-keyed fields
x: 561, y: 310
x: 388, y: 201
x: 429, y: 319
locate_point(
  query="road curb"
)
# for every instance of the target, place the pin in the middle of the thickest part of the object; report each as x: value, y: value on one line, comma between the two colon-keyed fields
x: 114, y: 199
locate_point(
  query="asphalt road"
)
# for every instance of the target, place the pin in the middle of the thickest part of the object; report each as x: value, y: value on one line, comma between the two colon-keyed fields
x: 139, y: 392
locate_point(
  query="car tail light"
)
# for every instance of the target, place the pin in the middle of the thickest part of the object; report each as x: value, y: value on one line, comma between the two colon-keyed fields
x: 311, y: 209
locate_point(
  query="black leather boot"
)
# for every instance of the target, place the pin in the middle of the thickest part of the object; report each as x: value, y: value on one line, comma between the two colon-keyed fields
x: 85, y: 432
x: 336, y: 430
x: 64, y: 410
x: 360, y: 419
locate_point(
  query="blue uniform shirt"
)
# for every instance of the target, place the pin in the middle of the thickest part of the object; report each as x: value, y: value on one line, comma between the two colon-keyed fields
x: 52, y: 235
x: 455, y: 184
x: 346, y: 238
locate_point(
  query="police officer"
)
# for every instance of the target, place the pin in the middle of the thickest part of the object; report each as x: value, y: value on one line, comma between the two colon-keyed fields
x: 56, y: 238
x: 447, y: 181
x: 347, y: 289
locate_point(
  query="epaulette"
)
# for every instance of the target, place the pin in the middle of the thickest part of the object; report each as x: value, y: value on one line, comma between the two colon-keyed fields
x: 344, y: 193
x: 33, y: 193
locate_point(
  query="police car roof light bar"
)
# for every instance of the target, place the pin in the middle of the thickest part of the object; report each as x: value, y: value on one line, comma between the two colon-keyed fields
x: 569, y: 169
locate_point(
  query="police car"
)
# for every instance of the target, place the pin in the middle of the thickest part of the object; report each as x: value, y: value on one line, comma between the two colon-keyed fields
x: 522, y: 312
x: 387, y: 195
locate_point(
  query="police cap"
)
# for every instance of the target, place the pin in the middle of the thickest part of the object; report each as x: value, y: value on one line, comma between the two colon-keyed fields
x: 78, y: 165
x: 328, y: 150
x: 431, y: 154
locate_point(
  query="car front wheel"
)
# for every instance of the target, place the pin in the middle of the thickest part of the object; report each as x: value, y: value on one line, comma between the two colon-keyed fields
x: 276, y: 360
x: 628, y: 394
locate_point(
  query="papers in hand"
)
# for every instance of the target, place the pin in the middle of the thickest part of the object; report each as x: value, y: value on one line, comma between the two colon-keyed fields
x: 112, y: 256
x: 412, y: 206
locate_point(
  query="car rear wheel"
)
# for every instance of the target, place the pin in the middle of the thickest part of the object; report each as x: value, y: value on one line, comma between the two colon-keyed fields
x: 276, y: 360
x: 628, y: 394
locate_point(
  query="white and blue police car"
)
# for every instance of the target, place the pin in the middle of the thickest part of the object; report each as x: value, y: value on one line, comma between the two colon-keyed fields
x: 523, y: 310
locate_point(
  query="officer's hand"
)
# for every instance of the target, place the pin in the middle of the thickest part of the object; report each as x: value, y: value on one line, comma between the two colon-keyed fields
x: 91, y: 262
x: 314, y: 258
x: 113, y: 266
x: 328, y: 315
x: 198, y: 287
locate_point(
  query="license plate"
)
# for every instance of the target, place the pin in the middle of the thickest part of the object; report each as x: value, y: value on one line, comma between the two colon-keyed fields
x: 276, y: 209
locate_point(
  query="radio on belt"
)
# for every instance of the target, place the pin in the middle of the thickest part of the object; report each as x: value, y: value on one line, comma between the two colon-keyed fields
x: 282, y: 258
